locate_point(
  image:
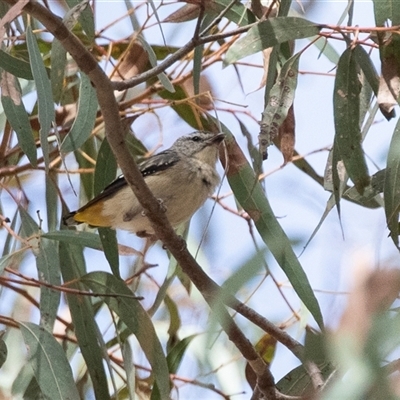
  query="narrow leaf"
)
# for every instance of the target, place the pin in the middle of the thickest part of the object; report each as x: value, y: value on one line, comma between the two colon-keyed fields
x: 85, y: 239
x: 3, y: 352
x: 184, y: 109
x: 11, y: 259
x: 51, y: 200
x: 11, y: 99
x: 130, y: 369
x: 52, y: 370
x: 136, y: 319
x: 109, y: 243
x: 365, y: 63
x: 58, y: 63
x: 47, y: 263
x: 175, y: 355
x: 15, y: 66
x: 237, y: 13
x: 270, y: 33
x: 44, y: 94
x: 297, y: 382
x: 83, y: 318
x: 81, y: 10
x: 280, y: 100
x: 392, y: 186
x: 106, y: 168
x: 29, y: 226
x: 105, y: 172
x: 245, y: 272
x: 346, y: 102
x: 85, y: 119
x: 251, y: 197
x: 386, y: 10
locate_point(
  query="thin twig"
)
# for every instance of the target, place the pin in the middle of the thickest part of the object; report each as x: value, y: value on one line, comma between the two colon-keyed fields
x: 28, y: 281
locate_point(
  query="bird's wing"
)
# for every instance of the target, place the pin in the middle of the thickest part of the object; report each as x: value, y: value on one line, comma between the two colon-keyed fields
x: 150, y: 166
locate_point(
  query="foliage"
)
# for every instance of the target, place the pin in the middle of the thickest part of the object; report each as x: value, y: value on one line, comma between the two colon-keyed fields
x: 90, y: 333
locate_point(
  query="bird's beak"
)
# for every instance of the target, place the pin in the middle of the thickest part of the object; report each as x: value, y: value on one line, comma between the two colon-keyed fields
x: 217, y: 139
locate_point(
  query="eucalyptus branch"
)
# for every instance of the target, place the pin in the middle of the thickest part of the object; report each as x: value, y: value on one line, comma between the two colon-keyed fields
x: 115, y: 135
x: 218, y: 18
x: 183, y: 51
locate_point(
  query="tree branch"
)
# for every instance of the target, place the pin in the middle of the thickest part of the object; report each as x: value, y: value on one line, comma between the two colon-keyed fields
x: 186, y: 49
x: 114, y: 133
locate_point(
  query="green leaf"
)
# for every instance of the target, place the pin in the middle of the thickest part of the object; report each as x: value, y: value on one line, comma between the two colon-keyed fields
x: 58, y: 63
x: 85, y: 16
x: 51, y: 200
x: 11, y: 99
x: 280, y: 99
x: 270, y: 33
x: 47, y: 263
x: 153, y: 61
x: 183, y: 109
x: 326, y: 49
x: 297, y: 382
x: 385, y: 10
x: 238, y: 13
x: 162, y: 291
x: 175, y: 355
x: 391, y: 190
x: 251, y: 197
x: 51, y: 368
x: 245, y: 272
x: 130, y: 369
x: 85, y: 239
x: 15, y: 66
x: 106, y: 168
x: 104, y: 174
x: 91, y: 149
x: 150, y: 52
x: 24, y: 378
x: 109, y: 242
x: 365, y: 63
x: 83, y: 318
x: 44, y: 93
x: 136, y: 319
x: 255, y: 155
x: 85, y: 119
x: 29, y: 227
x: 3, y: 352
x: 11, y: 259
x: 346, y: 101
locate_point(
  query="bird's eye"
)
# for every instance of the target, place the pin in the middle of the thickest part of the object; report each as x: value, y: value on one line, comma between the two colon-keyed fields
x: 196, y: 138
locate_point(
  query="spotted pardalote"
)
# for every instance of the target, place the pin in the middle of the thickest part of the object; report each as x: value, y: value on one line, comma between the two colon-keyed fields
x: 181, y: 178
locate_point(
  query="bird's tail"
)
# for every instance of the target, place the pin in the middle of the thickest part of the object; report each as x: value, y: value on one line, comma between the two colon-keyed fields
x: 69, y: 219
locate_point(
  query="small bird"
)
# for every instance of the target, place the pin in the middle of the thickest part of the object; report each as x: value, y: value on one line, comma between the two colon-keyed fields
x: 181, y: 178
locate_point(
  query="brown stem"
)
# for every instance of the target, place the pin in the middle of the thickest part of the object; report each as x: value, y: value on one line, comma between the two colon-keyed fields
x: 115, y: 135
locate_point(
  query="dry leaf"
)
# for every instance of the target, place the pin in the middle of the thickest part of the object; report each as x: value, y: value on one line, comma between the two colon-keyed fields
x: 389, y: 86
x: 205, y: 90
x: 373, y: 293
x: 185, y: 13
x: 285, y: 140
x: 131, y: 63
x: 11, y: 14
x: 8, y: 88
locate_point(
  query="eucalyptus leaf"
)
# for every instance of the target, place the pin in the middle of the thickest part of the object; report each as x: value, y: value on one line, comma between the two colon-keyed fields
x: 136, y: 319
x: 44, y: 93
x: 51, y: 368
x: 392, y: 186
x: 269, y: 33
x: 346, y: 101
x: 15, y: 66
x: 85, y: 119
x: 11, y: 99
